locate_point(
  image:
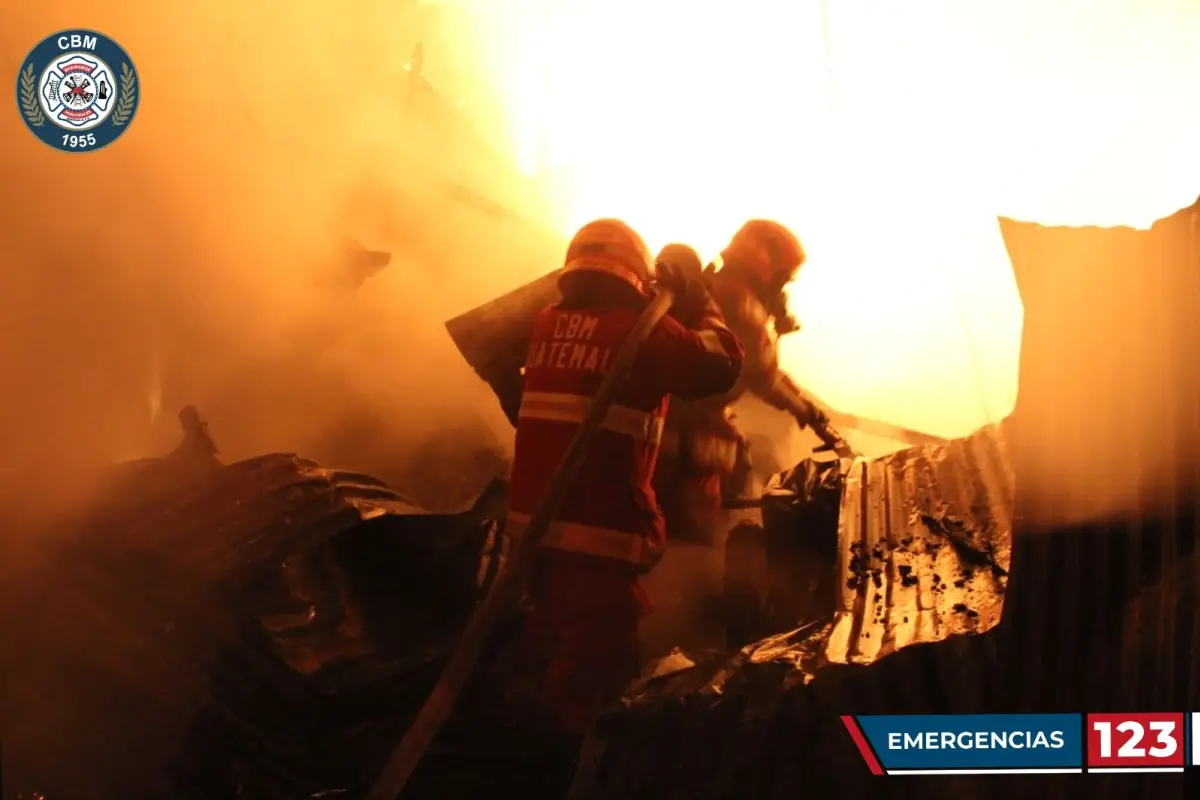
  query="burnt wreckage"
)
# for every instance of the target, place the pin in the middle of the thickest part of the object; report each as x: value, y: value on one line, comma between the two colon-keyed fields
x: 252, y: 630
x: 268, y: 628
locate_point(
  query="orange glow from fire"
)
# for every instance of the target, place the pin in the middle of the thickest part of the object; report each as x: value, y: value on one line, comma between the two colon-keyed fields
x: 889, y: 135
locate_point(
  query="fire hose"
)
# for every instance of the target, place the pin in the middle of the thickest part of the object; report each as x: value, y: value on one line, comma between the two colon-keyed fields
x: 508, y: 585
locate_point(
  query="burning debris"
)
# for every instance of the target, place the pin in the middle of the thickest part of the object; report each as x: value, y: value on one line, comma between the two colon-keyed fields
x: 264, y: 631
x: 923, y: 532
x: 886, y: 524
x: 911, y: 535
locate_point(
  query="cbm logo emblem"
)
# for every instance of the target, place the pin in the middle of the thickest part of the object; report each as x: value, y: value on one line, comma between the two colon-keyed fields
x: 77, y: 90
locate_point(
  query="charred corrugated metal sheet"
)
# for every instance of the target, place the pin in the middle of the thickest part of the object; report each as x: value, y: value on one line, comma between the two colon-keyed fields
x: 924, y: 541
x: 1109, y: 378
x: 800, y: 516
x: 1108, y: 373
x: 494, y: 338
x: 265, y: 628
x: 221, y: 521
x: 1104, y: 443
x: 765, y: 723
x: 923, y: 551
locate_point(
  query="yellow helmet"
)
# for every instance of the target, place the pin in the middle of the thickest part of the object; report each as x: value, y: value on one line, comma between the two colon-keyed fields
x: 766, y: 249
x: 612, y: 247
x: 680, y: 255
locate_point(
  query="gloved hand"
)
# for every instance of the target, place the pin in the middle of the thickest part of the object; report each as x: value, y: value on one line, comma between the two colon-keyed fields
x: 809, y: 416
x: 786, y: 324
x: 691, y: 293
x: 831, y: 440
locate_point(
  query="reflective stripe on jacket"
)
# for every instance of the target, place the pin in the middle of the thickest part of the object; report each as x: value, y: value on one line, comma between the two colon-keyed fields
x: 610, y: 512
x: 561, y: 407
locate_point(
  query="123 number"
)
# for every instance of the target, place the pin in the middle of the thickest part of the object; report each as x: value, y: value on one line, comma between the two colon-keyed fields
x: 81, y: 140
x: 1164, y: 747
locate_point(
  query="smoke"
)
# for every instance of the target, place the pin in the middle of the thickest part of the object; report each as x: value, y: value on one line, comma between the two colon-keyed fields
x: 195, y: 260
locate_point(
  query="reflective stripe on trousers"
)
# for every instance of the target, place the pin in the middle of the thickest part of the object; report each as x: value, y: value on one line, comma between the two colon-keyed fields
x: 589, y: 540
x: 563, y: 407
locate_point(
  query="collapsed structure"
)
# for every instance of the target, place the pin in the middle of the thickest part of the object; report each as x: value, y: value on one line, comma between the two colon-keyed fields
x: 1100, y: 608
x: 261, y: 630
x: 269, y: 627
x: 871, y: 557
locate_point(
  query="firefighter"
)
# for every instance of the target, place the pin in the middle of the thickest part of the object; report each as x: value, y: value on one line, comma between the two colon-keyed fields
x: 687, y: 482
x: 585, y: 590
x: 705, y: 456
x: 756, y: 267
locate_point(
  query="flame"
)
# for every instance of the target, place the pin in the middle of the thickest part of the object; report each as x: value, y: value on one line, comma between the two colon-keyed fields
x: 154, y: 397
x: 889, y: 135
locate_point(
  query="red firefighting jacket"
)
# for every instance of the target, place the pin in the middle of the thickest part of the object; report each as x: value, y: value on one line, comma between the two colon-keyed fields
x: 702, y: 433
x: 611, y: 511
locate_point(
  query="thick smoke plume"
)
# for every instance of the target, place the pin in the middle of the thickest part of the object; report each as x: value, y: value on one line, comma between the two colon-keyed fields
x: 196, y: 260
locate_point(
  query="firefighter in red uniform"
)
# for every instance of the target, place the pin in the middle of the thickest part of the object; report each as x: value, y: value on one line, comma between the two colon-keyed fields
x: 686, y: 480
x: 586, y: 594
x: 705, y: 456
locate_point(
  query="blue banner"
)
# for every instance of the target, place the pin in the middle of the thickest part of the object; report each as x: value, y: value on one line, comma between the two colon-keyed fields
x: 974, y: 742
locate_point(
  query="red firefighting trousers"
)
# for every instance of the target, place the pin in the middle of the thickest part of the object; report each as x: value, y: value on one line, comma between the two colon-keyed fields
x: 690, y: 498
x: 584, y: 629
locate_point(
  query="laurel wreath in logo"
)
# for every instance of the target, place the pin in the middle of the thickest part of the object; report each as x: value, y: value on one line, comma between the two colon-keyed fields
x: 128, y: 98
x: 30, y: 106
x: 32, y: 109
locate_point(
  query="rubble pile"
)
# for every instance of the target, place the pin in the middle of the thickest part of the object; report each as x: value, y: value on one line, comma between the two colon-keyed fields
x: 766, y: 722
x: 1099, y: 610
x: 800, y: 539
x: 266, y: 630
x: 922, y: 543
x: 908, y: 548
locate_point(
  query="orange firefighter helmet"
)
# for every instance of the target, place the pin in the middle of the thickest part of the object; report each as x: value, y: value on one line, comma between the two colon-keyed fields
x: 682, y: 256
x: 766, y: 249
x: 610, y: 246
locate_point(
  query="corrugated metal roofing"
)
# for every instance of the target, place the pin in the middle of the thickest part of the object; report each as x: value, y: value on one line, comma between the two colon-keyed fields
x: 924, y: 544
x: 494, y: 338
x: 1105, y: 558
x: 150, y: 626
x: 266, y: 507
